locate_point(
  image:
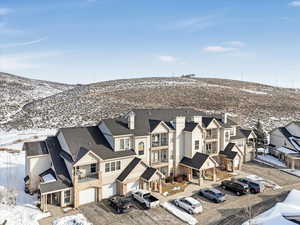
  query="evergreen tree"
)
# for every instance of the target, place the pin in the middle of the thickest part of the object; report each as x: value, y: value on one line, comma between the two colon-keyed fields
x: 260, y: 135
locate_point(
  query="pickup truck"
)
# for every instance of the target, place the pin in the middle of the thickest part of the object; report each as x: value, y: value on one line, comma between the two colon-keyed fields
x: 145, y: 197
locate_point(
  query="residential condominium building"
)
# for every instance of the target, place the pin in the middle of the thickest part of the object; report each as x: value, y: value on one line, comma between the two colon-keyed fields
x: 285, y: 144
x: 137, y: 151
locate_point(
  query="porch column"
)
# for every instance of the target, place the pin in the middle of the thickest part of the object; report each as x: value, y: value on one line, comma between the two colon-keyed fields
x: 190, y: 174
x: 214, y: 174
x: 200, y: 181
x: 160, y: 186
x: 44, y: 207
x: 293, y: 164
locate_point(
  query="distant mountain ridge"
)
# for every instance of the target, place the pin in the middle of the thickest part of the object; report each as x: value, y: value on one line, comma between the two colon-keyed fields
x: 68, y: 105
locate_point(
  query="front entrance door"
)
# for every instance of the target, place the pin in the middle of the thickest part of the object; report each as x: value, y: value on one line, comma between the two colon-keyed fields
x: 53, y: 199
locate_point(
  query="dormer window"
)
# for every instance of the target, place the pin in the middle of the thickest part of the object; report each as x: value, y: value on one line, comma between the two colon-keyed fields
x: 124, y: 144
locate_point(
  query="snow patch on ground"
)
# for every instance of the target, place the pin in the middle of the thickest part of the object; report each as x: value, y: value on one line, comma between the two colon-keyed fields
x: 12, y: 170
x: 77, y: 219
x: 275, y: 216
x: 179, y: 213
x: 271, y: 159
x: 14, y: 140
x: 267, y: 183
x: 293, y: 172
x: 254, y: 92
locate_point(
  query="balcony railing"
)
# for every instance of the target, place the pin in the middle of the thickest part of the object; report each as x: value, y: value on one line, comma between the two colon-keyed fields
x: 88, y: 177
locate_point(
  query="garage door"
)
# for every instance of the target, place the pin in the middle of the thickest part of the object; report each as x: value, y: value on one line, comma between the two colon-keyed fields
x: 87, y: 196
x: 133, y: 186
x: 109, y: 190
x: 236, y: 162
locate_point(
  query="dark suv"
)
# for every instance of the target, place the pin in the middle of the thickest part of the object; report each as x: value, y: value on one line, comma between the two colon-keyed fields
x: 120, y: 203
x: 254, y: 186
x: 235, y: 186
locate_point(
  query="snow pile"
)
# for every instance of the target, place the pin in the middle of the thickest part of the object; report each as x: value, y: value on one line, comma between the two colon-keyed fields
x: 179, y: 213
x: 268, y: 159
x: 77, y: 219
x: 22, y: 210
x: 293, y: 172
x: 275, y: 216
x: 263, y: 150
x: 285, y: 150
x: 48, y: 178
x: 266, y: 183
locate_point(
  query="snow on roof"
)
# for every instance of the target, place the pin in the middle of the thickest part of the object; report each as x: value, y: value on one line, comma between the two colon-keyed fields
x: 48, y: 178
x: 285, y: 150
x: 295, y: 142
x: 275, y: 216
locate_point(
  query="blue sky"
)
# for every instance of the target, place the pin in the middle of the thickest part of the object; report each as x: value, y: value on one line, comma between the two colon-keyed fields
x: 83, y: 41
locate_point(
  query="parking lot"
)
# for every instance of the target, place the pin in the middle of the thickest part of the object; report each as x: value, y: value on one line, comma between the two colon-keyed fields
x: 102, y: 214
x: 213, y: 213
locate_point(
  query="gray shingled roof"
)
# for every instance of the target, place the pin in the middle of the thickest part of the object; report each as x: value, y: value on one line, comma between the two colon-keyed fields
x: 128, y: 169
x: 53, y: 186
x: 196, y: 162
x: 35, y: 148
x: 241, y: 133
x: 147, y: 119
x: 190, y: 126
x: 228, y: 151
x: 59, y: 165
x: 82, y: 139
x: 149, y: 172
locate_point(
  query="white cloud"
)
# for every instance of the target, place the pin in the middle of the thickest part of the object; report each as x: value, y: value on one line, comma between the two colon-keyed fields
x: 167, y: 58
x: 295, y: 4
x: 5, y: 11
x: 235, y: 43
x: 218, y: 49
x: 12, y: 45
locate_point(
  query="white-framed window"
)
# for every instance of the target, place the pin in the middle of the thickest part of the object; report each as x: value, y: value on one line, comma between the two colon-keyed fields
x: 118, y: 165
x: 141, y: 148
x: 124, y: 144
x: 197, y: 145
x: 112, y: 166
x: 93, y: 168
x: 231, y: 132
x: 67, y: 197
x: 107, y: 167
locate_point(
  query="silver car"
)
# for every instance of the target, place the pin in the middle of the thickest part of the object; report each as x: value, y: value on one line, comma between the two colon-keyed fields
x: 213, y: 194
x: 191, y: 205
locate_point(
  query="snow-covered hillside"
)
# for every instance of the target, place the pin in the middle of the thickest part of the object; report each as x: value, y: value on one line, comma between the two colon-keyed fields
x: 88, y: 104
x: 18, y: 91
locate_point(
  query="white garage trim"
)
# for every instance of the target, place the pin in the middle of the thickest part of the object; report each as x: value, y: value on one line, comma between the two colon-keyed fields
x: 109, y: 190
x: 87, y: 196
x: 133, y: 186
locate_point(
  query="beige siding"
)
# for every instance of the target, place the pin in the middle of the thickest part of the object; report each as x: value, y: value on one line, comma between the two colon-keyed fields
x: 37, y: 165
x: 87, y: 159
x: 110, y: 177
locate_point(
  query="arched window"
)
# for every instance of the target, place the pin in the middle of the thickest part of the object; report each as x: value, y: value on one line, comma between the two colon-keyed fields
x: 141, y: 148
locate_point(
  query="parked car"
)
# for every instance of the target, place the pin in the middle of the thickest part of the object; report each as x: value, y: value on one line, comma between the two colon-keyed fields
x: 120, y: 203
x: 145, y: 197
x: 213, y: 194
x: 254, y: 186
x: 191, y: 205
x: 235, y: 186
